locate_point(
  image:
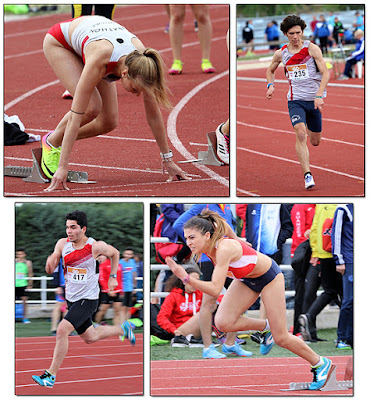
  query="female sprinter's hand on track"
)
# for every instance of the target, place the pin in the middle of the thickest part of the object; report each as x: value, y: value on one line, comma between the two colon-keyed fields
x: 59, y: 177
x: 270, y: 92
x: 177, y: 269
x: 175, y: 171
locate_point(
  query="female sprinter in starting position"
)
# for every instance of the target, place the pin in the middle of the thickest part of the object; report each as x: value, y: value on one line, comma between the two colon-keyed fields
x: 87, y: 54
x: 254, y: 273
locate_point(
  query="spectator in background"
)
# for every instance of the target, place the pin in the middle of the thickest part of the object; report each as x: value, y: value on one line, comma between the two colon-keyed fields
x: 348, y: 37
x: 23, y: 273
x: 179, y: 313
x: 322, y: 32
x: 177, y: 17
x: 313, y: 23
x: 60, y: 306
x: 170, y: 213
x: 356, y: 56
x: 248, y: 37
x: 322, y: 258
x: 359, y: 22
x: 331, y: 18
x: 272, y: 34
x: 267, y: 228
x: 241, y: 211
x: 342, y: 249
x: 208, y: 302
x: 301, y: 216
x: 107, y: 296
x: 140, y: 274
x: 338, y: 30
x: 128, y: 266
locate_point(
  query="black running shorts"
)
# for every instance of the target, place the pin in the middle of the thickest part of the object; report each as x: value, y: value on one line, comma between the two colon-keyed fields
x: 80, y: 314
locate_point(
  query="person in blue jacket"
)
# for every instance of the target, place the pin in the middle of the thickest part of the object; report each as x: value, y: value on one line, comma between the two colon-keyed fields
x: 272, y: 34
x: 357, y: 55
x: 342, y: 249
x: 208, y: 302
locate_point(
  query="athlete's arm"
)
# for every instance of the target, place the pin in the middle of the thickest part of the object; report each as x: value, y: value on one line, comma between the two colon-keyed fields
x: 213, y: 287
x: 316, y: 53
x: 270, y: 73
x: 155, y: 121
x: 101, y: 248
x: 53, y: 260
x: 96, y: 61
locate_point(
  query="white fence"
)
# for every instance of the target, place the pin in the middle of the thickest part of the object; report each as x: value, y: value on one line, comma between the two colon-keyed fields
x: 43, y: 290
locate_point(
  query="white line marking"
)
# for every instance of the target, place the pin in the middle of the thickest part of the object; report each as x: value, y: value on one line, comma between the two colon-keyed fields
x: 293, y: 133
x: 172, y: 132
x: 296, y: 162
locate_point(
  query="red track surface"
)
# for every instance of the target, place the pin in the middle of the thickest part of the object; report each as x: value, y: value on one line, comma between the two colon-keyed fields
x: 124, y: 162
x: 266, y: 158
x: 236, y: 377
x: 108, y: 367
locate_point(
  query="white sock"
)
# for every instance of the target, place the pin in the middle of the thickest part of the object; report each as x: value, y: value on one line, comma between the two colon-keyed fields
x: 267, y: 327
x: 321, y: 362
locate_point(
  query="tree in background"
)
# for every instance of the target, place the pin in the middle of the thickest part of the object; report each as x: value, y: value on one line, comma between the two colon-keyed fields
x: 38, y: 226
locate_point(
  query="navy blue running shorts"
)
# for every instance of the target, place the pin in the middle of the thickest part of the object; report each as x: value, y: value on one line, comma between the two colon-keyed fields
x: 80, y: 313
x: 304, y: 111
x: 257, y: 284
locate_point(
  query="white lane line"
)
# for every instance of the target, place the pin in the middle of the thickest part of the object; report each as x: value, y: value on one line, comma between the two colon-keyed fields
x: 293, y: 133
x: 297, y: 162
x: 172, y: 132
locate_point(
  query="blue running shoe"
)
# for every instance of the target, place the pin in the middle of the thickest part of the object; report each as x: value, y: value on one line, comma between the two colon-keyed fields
x: 343, y: 345
x: 320, y: 374
x: 211, y: 352
x: 267, y: 343
x: 127, y: 332
x: 236, y: 349
x: 46, y: 379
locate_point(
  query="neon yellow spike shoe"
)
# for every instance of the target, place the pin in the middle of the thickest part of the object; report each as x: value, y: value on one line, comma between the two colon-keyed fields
x: 207, y: 66
x: 50, y: 157
x: 176, y: 68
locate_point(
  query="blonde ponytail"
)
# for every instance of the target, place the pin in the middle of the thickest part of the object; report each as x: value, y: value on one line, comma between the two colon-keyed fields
x: 147, y: 68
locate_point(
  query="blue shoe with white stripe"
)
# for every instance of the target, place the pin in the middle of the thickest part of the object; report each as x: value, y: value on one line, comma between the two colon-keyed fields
x: 127, y: 332
x: 46, y: 379
x: 320, y: 374
x: 236, y: 349
x: 267, y: 343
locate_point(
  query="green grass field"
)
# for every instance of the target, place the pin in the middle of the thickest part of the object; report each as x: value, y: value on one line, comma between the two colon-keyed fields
x: 327, y: 348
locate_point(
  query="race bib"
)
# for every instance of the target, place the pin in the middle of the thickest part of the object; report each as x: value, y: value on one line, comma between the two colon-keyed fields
x: 77, y: 275
x: 297, y: 72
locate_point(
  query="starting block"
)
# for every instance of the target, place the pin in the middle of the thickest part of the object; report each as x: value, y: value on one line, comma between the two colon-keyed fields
x: 208, y: 157
x: 36, y: 175
x: 331, y: 383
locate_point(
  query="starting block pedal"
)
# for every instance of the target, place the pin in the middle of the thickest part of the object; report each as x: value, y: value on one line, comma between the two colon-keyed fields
x: 331, y: 383
x: 208, y: 157
x: 35, y: 174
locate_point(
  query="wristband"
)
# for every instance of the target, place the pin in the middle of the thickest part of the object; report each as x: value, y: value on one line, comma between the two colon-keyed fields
x: 113, y: 276
x: 269, y: 84
x: 318, y: 97
x: 186, y: 279
x: 166, y: 156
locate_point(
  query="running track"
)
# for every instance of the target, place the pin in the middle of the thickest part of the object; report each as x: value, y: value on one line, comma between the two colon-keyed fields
x: 107, y: 367
x: 237, y: 376
x: 266, y: 158
x: 126, y: 161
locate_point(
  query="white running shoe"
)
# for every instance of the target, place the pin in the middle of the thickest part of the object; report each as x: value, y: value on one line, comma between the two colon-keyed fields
x: 223, y: 143
x: 309, y: 183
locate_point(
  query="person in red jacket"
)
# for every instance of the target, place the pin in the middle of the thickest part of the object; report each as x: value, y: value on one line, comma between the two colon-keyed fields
x: 179, y: 312
x: 108, y: 297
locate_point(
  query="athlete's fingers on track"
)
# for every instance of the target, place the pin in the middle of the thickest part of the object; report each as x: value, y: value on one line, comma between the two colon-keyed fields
x: 55, y: 184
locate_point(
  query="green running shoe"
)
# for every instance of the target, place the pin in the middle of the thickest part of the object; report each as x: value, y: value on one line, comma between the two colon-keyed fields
x: 50, y: 157
x: 176, y: 68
